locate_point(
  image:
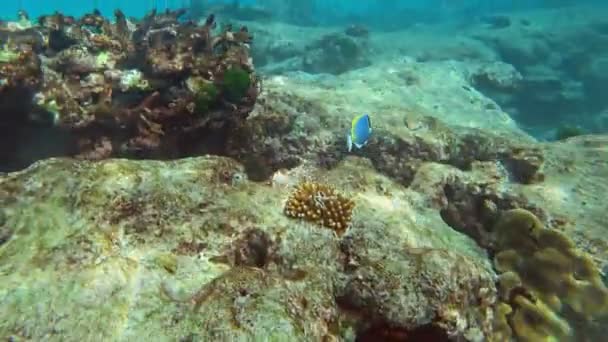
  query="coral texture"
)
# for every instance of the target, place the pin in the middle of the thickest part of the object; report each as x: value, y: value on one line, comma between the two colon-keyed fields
x: 153, y: 87
x: 322, y: 204
x: 550, y: 285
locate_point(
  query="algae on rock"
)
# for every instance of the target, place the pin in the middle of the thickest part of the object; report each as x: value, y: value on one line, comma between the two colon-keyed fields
x: 176, y: 250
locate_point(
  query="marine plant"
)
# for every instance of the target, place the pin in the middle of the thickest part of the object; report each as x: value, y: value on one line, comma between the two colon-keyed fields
x: 205, y: 94
x: 235, y: 84
x: 102, y: 59
x: 321, y: 204
x: 7, y: 56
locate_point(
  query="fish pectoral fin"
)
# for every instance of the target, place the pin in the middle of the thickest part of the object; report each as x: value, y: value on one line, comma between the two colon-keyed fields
x: 349, y: 143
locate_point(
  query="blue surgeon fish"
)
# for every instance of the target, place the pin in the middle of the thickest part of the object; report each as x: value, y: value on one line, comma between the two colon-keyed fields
x: 360, y: 132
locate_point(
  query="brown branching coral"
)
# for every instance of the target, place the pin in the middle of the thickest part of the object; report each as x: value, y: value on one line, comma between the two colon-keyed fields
x: 321, y: 204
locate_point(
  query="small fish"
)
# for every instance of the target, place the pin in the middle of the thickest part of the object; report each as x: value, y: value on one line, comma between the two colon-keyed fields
x: 360, y: 132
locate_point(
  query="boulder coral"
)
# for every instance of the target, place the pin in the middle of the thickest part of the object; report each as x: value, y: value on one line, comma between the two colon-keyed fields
x: 550, y: 286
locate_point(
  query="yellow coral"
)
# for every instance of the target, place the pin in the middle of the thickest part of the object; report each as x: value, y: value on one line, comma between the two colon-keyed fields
x: 534, y: 321
x: 541, y: 273
x: 320, y: 204
x: 502, y: 329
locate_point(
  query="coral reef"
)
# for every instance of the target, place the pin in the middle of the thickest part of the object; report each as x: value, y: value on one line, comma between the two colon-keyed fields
x: 225, y: 255
x: 152, y: 88
x: 449, y: 192
x: 321, y: 204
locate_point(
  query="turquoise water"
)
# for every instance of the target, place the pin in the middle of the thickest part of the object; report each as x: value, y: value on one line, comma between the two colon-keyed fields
x: 372, y: 7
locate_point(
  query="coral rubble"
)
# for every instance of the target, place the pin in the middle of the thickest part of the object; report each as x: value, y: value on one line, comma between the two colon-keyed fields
x: 336, y: 53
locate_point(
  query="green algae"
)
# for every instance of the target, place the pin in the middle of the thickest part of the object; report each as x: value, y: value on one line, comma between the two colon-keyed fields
x: 235, y: 83
x: 168, y: 262
x: 8, y: 56
x: 206, y: 94
x: 102, y: 59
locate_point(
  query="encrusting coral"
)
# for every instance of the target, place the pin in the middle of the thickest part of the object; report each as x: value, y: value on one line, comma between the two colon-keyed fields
x: 550, y: 285
x: 321, y: 204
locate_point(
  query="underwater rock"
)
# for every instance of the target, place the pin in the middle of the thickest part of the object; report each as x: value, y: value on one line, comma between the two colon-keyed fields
x: 357, y: 31
x: 566, y: 131
x: 558, y: 76
x: 474, y: 208
x: 281, y: 131
x: 496, y: 21
x: 389, y: 283
x: 200, y: 235
x: 5, y: 232
x: 280, y: 50
x: 418, y: 133
x: 495, y: 76
x: 335, y: 53
x: 169, y: 249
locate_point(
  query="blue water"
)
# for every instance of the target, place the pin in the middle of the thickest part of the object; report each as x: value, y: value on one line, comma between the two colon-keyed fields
x: 372, y: 8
